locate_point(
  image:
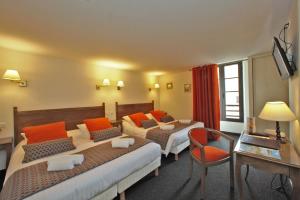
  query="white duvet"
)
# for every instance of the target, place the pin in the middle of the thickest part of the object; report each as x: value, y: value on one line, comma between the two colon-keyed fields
x: 92, y: 182
x: 174, y: 139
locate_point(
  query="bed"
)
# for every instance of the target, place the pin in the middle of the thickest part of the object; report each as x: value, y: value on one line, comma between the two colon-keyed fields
x: 102, y: 182
x: 177, y: 142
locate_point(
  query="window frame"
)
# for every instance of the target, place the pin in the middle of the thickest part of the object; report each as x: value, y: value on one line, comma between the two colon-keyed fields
x: 222, y: 91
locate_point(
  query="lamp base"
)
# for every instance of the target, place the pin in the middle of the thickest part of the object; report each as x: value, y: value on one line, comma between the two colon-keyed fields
x: 278, y: 136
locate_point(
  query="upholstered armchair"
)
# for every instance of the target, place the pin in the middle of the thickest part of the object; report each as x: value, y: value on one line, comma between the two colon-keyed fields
x: 207, y: 156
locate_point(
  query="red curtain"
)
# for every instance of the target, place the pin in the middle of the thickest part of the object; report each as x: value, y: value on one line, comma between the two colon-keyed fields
x: 206, y: 98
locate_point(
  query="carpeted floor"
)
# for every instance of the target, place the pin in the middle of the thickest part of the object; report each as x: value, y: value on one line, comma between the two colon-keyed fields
x: 172, y: 182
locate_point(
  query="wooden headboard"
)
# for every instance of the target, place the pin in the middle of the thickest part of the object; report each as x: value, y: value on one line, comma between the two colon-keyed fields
x: 127, y: 109
x: 72, y: 117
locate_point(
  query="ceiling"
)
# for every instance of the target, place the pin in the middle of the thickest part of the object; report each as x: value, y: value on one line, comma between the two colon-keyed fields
x: 150, y: 35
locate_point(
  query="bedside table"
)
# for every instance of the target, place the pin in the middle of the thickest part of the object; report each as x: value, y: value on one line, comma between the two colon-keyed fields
x: 6, y: 143
x: 117, y: 123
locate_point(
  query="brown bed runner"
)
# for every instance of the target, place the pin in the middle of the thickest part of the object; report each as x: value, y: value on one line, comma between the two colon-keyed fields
x: 30, y: 180
x: 162, y: 136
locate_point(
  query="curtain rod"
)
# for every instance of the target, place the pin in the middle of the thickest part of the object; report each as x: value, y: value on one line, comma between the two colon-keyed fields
x: 245, y: 59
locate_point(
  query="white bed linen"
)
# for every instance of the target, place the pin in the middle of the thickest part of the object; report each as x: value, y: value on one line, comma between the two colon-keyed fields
x: 174, y: 140
x: 92, y: 182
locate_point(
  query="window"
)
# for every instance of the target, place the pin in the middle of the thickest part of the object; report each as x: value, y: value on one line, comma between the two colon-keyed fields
x: 231, y: 91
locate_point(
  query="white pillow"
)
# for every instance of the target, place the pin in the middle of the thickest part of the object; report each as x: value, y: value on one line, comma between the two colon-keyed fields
x: 150, y: 116
x: 127, y: 119
x: 85, y: 133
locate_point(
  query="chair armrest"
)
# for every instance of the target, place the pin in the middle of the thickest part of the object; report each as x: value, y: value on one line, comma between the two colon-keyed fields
x: 227, y: 137
x: 194, y: 143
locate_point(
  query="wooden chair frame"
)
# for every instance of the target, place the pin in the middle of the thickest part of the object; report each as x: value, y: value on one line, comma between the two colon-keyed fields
x: 204, y: 164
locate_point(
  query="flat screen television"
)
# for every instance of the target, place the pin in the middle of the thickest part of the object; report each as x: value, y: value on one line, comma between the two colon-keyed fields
x: 284, y: 67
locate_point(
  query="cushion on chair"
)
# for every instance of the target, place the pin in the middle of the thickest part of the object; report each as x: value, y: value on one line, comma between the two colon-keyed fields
x: 211, y: 153
x: 200, y: 135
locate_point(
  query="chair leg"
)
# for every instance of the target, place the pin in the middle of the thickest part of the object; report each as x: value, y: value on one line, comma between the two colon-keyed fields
x: 206, y: 171
x: 191, y: 167
x: 202, y: 186
x: 176, y: 157
x: 247, y: 172
x: 231, y: 174
x: 122, y: 196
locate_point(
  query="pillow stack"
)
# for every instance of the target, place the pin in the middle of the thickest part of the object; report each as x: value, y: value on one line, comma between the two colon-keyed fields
x: 101, y: 129
x: 45, y: 140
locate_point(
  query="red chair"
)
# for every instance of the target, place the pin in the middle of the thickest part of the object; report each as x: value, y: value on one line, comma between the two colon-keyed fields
x: 207, y: 156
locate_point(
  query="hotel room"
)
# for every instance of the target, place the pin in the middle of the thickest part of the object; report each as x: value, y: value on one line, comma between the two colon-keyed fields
x: 194, y: 99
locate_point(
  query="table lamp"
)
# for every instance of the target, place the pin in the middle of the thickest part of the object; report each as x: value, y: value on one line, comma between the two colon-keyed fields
x: 277, y: 111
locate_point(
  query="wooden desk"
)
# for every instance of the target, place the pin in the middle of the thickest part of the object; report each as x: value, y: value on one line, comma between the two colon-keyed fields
x: 284, y: 161
x: 7, y: 142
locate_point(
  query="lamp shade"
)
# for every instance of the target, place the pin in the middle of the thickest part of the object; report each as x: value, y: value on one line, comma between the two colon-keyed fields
x: 156, y: 85
x: 12, y: 75
x: 277, y: 111
x: 120, y: 84
x: 106, y: 82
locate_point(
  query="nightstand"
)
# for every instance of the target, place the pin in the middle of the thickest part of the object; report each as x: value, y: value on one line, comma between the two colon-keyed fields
x: 6, y: 144
x: 117, y: 123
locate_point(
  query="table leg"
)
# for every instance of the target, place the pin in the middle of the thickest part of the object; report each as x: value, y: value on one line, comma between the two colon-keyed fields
x: 8, y: 149
x: 239, y: 181
x: 295, y: 177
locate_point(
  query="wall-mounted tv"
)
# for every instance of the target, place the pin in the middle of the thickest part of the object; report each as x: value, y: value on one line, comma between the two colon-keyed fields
x: 284, y: 67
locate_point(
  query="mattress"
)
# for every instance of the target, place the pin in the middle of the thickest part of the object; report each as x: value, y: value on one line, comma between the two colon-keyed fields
x: 174, y: 140
x: 92, y: 182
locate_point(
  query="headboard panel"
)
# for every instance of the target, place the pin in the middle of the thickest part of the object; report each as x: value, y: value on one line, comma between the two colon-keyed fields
x: 127, y: 109
x: 72, y: 117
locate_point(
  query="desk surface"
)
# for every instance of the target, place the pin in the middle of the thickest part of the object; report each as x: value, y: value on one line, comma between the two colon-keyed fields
x: 287, y: 154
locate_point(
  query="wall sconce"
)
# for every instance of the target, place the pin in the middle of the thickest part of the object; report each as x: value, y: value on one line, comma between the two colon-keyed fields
x: 120, y: 84
x: 105, y: 82
x: 13, y: 75
x: 156, y: 86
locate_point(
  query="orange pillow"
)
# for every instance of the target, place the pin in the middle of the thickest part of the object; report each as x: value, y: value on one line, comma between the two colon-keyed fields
x: 97, y: 124
x: 158, y: 114
x: 137, y: 118
x: 41, y: 133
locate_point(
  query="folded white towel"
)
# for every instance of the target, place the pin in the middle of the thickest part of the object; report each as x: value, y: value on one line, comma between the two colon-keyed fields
x: 65, y: 162
x: 76, y: 158
x: 185, y: 121
x: 167, y: 127
x: 130, y: 140
x: 120, y: 143
x: 60, y: 164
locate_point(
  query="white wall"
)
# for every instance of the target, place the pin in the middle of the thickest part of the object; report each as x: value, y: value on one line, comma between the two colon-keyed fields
x: 175, y: 101
x: 294, y: 82
x: 58, y: 83
x: 266, y: 85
